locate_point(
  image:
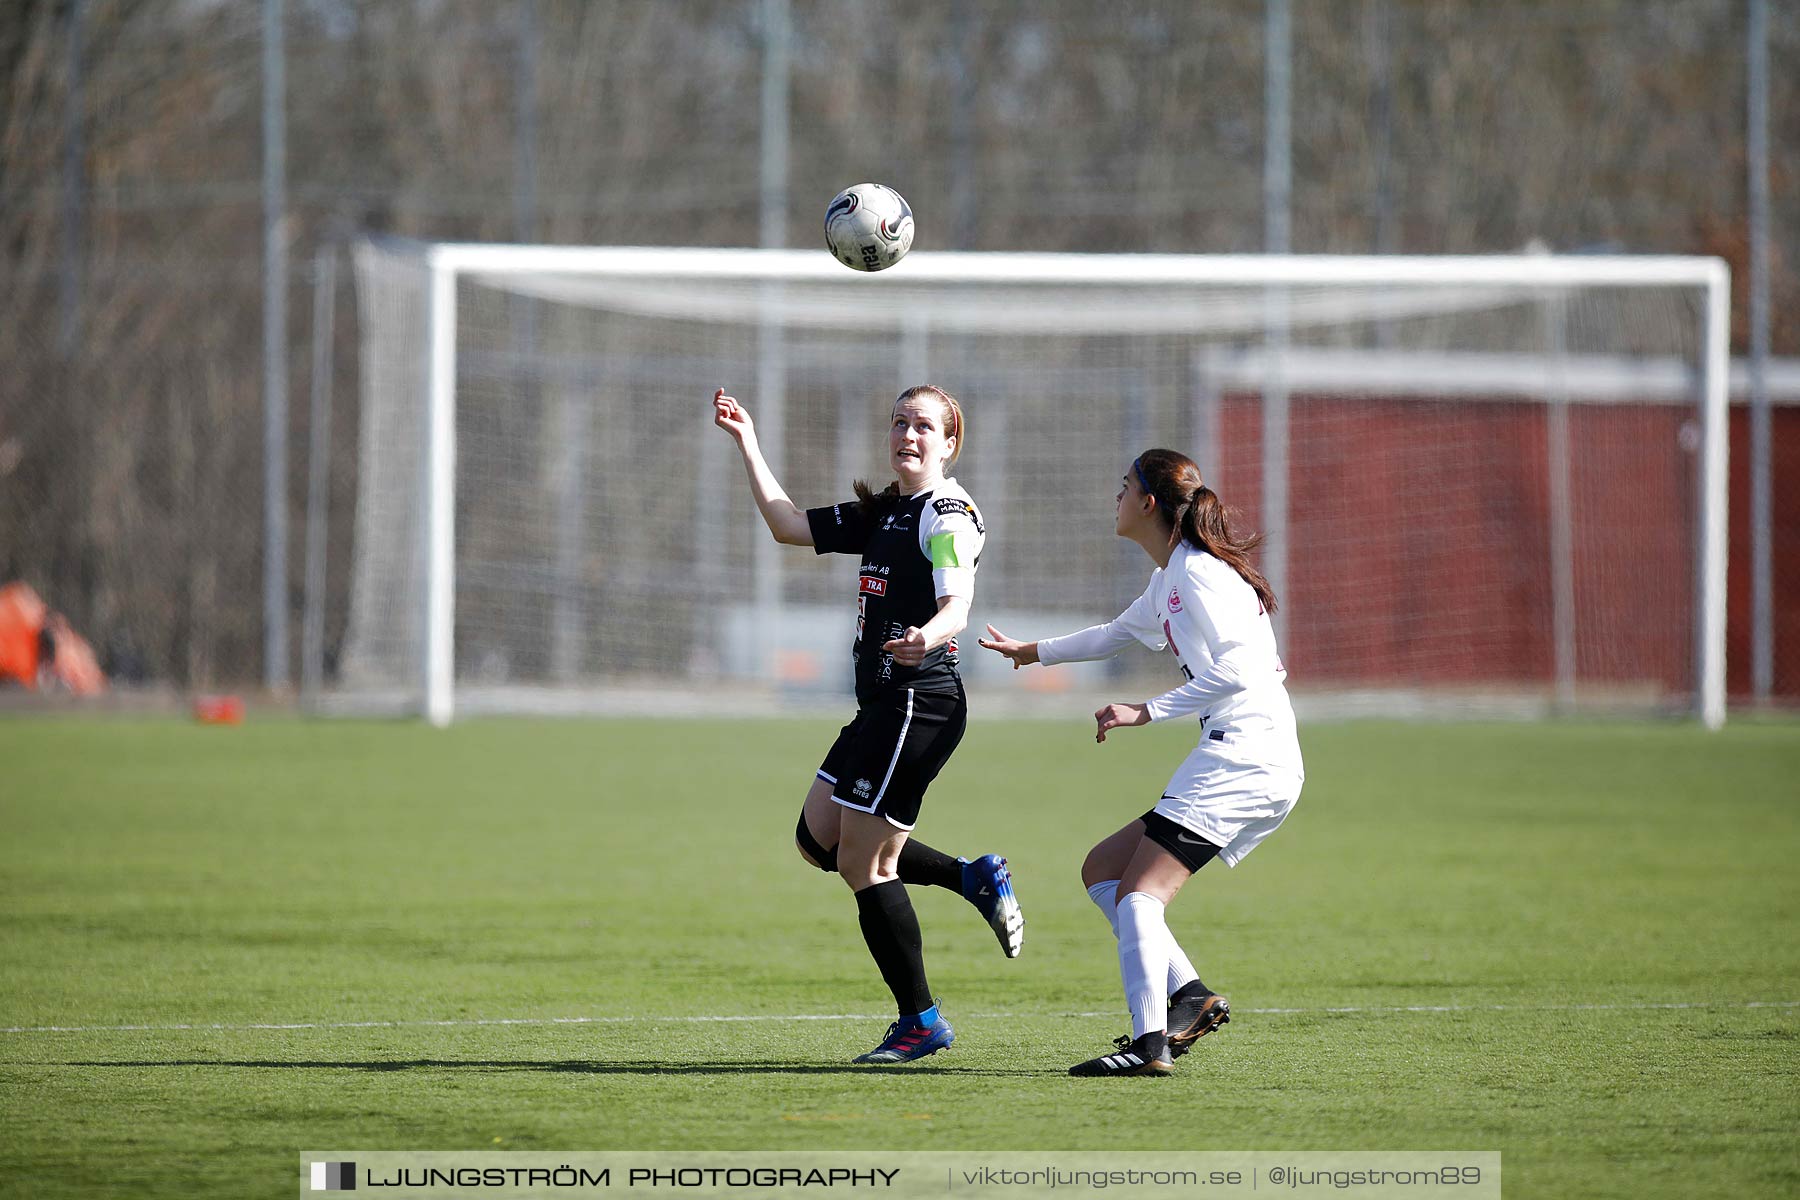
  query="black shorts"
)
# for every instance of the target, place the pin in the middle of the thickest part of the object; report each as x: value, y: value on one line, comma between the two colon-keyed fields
x: 889, y: 753
x: 1189, y: 848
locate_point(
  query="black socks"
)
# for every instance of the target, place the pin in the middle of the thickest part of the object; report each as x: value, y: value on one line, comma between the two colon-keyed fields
x: 891, y: 929
x: 920, y: 864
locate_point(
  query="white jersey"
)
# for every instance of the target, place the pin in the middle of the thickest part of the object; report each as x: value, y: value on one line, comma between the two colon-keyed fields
x: 1204, y: 613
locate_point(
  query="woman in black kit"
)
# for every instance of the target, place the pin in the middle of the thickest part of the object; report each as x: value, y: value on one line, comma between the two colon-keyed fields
x: 919, y: 541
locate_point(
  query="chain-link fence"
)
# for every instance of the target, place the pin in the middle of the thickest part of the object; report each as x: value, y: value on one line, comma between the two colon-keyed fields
x: 131, y: 204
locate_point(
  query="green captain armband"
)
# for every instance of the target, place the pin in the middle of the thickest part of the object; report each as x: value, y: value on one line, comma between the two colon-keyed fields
x: 949, y: 550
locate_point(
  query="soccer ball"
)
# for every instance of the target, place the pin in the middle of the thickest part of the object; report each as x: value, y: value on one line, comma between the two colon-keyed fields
x: 868, y: 227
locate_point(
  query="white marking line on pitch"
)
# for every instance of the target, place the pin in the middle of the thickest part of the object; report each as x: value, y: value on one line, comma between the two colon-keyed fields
x: 480, y: 1021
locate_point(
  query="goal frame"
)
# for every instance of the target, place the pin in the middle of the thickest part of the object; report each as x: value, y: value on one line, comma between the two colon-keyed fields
x: 446, y: 263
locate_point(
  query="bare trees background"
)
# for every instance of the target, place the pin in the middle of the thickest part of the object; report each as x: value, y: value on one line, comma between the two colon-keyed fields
x: 130, y: 220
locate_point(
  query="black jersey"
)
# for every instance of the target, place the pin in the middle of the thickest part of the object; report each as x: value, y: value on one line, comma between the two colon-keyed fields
x: 924, y: 547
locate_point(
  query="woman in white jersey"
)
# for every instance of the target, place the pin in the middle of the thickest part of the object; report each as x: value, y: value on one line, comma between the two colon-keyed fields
x: 1210, y: 608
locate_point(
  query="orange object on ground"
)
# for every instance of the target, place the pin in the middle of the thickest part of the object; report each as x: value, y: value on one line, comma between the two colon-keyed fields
x: 219, y: 710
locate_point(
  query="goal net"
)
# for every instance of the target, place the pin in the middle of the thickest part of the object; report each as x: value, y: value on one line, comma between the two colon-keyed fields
x: 1485, y: 484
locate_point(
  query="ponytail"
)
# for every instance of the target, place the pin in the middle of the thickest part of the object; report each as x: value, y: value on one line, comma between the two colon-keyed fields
x: 874, y: 504
x: 1200, y: 517
x: 1205, y: 526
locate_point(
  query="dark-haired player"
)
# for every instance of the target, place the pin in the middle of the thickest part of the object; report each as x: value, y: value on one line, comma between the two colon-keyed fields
x: 1209, y: 606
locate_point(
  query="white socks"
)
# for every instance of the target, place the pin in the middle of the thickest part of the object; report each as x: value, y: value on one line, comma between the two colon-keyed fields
x: 1181, y: 971
x: 1144, y: 943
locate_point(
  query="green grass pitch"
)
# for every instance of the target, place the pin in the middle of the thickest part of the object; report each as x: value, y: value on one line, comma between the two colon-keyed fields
x: 1572, y: 943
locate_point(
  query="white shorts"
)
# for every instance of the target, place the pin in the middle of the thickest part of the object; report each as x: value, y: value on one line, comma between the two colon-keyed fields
x: 1231, y: 803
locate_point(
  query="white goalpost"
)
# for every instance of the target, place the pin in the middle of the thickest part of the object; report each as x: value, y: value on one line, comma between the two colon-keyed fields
x: 1485, y: 483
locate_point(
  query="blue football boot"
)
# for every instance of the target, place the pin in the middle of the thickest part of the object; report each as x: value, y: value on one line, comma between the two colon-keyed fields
x: 987, y: 884
x: 908, y: 1040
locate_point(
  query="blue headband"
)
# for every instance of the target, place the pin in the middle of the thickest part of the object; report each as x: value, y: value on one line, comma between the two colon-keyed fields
x: 1139, y: 472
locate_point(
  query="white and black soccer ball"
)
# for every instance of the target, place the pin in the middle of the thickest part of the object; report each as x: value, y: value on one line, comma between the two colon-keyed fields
x: 869, y: 227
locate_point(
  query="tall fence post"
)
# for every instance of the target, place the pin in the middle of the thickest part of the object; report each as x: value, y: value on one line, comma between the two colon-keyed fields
x: 318, y: 473
x: 1762, y: 593
x: 1277, y: 225
x: 275, y: 407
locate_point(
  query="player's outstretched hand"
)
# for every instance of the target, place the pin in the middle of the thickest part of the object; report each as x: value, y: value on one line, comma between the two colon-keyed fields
x: 732, y: 417
x: 1023, y: 654
x: 908, y: 649
x: 1115, y: 715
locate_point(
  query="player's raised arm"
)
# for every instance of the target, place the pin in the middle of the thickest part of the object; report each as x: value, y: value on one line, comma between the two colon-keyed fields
x: 784, y: 518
